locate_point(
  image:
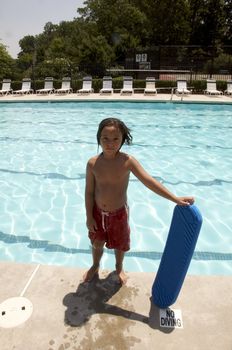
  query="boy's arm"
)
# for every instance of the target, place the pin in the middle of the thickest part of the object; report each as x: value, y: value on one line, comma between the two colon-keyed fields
x: 154, y: 185
x: 89, y: 197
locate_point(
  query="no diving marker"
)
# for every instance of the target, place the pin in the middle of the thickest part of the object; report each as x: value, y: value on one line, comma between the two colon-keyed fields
x: 171, y: 318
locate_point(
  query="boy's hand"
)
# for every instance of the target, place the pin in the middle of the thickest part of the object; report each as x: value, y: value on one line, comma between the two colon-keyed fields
x: 91, y: 225
x: 185, y: 200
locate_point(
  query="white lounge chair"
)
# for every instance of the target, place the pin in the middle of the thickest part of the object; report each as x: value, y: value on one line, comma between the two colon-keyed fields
x: 48, y: 87
x: 228, y: 90
x: 26, y: 87
x: 65, y: 86
x: 182, y: 87
x: 107, y: 86
x: 127, y: 86
x: 211, y: 88
x: 150, y: 86
x: 86, y: 86
x: 6, y: 87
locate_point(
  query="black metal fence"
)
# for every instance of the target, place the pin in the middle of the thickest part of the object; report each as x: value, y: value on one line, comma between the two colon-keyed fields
x: 168, y: 74
x: 192, y: 57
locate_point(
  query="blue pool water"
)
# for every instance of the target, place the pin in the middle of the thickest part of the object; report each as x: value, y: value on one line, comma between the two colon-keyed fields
x: 44, y: 150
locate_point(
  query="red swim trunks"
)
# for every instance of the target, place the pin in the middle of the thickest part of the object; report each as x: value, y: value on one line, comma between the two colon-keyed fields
x: 112, y: 227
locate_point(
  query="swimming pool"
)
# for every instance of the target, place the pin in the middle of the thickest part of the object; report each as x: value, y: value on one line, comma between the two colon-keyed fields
x: 44, y: 150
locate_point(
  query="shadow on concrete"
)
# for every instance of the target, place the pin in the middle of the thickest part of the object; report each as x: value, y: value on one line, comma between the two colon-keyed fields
x: 91, y: 298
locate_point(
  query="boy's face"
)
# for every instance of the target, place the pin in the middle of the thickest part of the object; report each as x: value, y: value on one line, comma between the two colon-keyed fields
x: 110, y: 140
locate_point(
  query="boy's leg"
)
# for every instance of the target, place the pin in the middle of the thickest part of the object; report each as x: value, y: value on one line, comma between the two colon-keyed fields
x: 119, y: 256
x: 97, y: 251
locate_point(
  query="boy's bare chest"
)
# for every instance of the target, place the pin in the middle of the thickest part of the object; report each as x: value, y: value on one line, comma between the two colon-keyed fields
x: 111, y: 171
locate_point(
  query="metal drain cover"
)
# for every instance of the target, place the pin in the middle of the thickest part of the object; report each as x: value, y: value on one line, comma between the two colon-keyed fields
x: 15, y: 311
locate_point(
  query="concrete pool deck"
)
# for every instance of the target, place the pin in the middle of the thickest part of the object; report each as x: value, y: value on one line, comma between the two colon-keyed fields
x: 160, y: 97
x: 68, y: 314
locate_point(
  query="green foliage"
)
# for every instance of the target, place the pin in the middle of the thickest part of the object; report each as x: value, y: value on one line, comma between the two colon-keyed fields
x: 6, y: 63
x: 56, y: 68
x: 27, y: 44
x: 221, y: 63
x: 198, y: 86
x: 93, y: 50
x: 221, y: 85
x: 169, y: 22
x: 208, y: 20
x: 227, y: 37
x: 122, y: 23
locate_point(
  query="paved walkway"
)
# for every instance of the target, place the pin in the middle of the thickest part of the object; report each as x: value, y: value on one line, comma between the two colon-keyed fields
x: 101, y: 315
x: 117, y: 97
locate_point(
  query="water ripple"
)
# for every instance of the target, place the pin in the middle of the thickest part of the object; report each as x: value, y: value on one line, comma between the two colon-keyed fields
x: 16, y: 139
x: 215, y: 182
x: 56, y: 176
x: 171, y: 146
x: 50, y: 247
x: 134, y: 144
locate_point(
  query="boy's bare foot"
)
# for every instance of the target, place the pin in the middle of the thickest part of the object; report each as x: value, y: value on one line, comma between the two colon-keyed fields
x: 122, y: 277
x: 121, y: 274
x: 91, y: 273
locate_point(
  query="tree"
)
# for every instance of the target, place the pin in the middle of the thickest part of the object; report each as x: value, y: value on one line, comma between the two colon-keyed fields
x: 208, y: 20
x: 92, y: 49
x: 120, y: 22
x: 6, y: 63
x: 169, y: 22
x: 72, y: 45
x: 27, y: 55
x: 228, y: 22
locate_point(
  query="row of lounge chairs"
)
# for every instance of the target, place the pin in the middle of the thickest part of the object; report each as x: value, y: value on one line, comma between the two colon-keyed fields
x: 66, y: 86
x: 107, y: 88
x: 26, y: 87
x: 211, y: 88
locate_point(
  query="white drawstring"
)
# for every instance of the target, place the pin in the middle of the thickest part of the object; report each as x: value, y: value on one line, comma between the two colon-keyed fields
x: 104, y: 214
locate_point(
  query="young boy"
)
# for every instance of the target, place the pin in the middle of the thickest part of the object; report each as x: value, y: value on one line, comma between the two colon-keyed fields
x: 107, y: 177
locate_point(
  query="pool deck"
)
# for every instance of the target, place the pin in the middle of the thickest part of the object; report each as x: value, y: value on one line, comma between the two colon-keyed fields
x: 69, y: 314
x: 102, y: 315
x: 136, y: 97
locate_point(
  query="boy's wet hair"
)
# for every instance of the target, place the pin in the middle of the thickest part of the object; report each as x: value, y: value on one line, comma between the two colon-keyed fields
x: 125, y: 131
